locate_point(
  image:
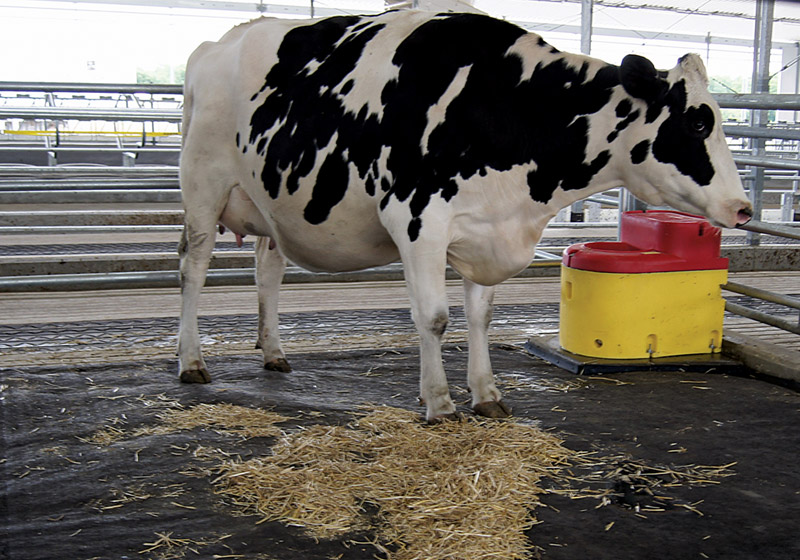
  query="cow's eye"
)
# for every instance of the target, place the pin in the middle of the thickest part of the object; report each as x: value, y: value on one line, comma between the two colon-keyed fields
x: 699, y: 121
x: 699, y: 126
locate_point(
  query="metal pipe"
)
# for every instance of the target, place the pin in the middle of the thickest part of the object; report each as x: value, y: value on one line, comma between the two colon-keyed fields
x: 785, y: 101
x: 586, y: 26
x: 790, y: 102
x: 92, y: 196
x: 91, y: 217
x: 88, y: 170
x: 762, y: 43
x: 773, y: 163
x: 750, y: 132
x: 217, y: 277
x: 766, y: 295
x: 603, y: 199
x: 90, y: 114
x: 67, y: 230
x: 73, y: 87
x: 90, y: 184
x: 771, y: 229
x: 113, y: 149
x: 761, y: 317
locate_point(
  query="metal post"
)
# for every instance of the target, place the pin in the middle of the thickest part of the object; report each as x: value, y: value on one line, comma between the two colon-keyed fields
x: 586, y: 26
x: 576, y: 213
x: 762, y: 45
x: 629, y: 202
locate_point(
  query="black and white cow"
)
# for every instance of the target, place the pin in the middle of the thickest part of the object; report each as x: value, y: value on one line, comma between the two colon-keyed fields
x: 434, y: 139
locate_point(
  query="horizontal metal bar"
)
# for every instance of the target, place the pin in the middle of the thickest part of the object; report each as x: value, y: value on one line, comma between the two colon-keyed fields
x: 774, y: 163
x: 542, y: 255
x: 68, y: 230
x: 603, y: 199
x: 766, y: 295
x: 91, y: 184
x: 753, y: 132
x: 90, y: 196
x: 91, y: 114
x: 785, y: 101
x: 74, y: 87
x: 91, y: 217
x: 80, y: 149
x: 771, y: 229
x: 219, y: 277
x: 762, y: 317
x: 30, y: 171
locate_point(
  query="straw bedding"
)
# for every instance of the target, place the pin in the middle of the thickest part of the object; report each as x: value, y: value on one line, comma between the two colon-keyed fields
x: 456, y: 490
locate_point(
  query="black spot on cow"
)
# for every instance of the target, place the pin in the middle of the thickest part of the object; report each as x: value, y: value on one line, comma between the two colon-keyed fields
x: 305, y: 114
x: 623, y: 108
x: 622, y: 125
x: 347, y: 87
x: 238, y: 139
x: 413, y: 228
x: 498, y: 120
x: 468, y: 139
x: 681, y: 137
x: 329, y: 189
x: 640, y: 151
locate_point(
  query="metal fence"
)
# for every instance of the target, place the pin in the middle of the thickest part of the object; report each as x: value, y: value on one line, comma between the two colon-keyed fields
x: 46, y: 109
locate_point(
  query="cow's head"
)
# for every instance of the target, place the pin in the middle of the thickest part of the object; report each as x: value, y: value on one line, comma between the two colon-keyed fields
x: 679, y: 154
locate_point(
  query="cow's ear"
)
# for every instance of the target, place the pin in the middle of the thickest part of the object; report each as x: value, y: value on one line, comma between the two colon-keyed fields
x: 693, y: 65
x: 640, y: 78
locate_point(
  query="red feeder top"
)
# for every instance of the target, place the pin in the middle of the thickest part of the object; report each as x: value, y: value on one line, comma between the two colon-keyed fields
x: 652, y: 241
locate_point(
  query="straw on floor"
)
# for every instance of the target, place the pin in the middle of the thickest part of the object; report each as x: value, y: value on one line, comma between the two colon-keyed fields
x: 455, y: 490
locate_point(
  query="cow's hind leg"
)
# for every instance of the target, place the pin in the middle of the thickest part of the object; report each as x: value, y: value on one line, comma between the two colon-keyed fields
x: 486, y: 399
x: 270, y: 266
x: 195, y: 248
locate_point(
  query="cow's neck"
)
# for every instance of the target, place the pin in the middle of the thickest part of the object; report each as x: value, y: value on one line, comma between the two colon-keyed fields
x: 605, y: 180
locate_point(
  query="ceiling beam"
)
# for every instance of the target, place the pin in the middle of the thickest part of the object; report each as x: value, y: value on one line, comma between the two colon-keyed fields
x: 257, y: 7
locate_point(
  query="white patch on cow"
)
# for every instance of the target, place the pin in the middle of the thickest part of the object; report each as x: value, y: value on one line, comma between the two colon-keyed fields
x: 496, y: 224
x: 532, y: 55
x: 437, y: 111
x: 383, y: 170
x: 371, y: 73
x: 312, y: 66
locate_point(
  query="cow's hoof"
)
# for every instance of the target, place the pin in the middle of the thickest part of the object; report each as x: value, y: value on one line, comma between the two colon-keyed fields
x: 442, y: 418
x: 195, y: 376
x: 278, y: 364
x: 492, y: 409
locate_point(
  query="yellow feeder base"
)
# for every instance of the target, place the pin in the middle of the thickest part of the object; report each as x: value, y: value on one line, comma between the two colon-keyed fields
x: 655, y: 314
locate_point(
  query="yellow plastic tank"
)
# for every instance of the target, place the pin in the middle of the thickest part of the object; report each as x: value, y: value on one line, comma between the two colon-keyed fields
x: 632, y: 299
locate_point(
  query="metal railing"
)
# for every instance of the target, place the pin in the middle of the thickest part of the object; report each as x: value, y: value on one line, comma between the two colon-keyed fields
x: 159, y: 184
x: 765, y: 295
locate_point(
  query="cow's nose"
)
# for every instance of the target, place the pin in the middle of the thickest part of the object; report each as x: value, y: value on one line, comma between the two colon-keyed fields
x: 744, y: 215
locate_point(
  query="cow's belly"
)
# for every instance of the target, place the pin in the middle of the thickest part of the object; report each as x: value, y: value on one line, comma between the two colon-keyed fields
x: 336, y: 247
x: 352, y: 238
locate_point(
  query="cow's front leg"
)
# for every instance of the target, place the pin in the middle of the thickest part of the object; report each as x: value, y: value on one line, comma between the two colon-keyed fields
x: 195, y: 250
x: 425, y: 277
x: 486, y: 399
x: 270, y: 266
